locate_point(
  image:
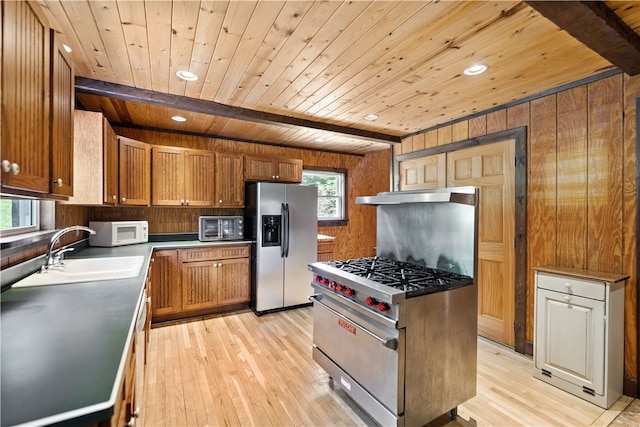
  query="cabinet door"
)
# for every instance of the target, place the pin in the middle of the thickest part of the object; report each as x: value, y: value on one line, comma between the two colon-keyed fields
x: 135, y: 172
x: 424, y: 173
x: 198, y: 177
x: 259, y: 169
x: 166, y: 295
x: 62, y: 96
x: 233, y: 281
x: 289, y: 170
x: 111, y: 163
x: 25, y: 98
x: 570, y: 338
x: 199, y: 285
x: 229, y: 180
x: 167, y: 176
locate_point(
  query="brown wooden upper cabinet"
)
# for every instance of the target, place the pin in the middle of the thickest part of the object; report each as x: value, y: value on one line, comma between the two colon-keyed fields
x: 95, y: 160
x: 271, y: 169
x: 61, y: 128
x: 135, y: 172
x: 25, y: 99
x: 424, y: 173
x: 182, y: 177
x: 229, y: 180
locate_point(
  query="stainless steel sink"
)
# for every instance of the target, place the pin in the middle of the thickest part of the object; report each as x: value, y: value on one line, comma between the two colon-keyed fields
x: 86, y: 270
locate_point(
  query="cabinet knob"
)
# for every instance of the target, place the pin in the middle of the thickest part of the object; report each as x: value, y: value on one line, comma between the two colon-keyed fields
x: 567, y: 298
x: 7, y: 166
x: 58, y: 182
x: 277, y: 176
x: 114, y: 197
x: 124, y: 199
x: 568, y: 286
x: 182, y: 201
x: 273, y: 177
x: 220, y: 201
x: 186, y: 202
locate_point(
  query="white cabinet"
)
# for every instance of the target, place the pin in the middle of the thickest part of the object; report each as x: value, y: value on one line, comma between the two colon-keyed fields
x: 579, y: 332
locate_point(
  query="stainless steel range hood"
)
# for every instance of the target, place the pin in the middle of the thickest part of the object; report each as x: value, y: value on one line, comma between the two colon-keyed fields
x: 462, y: 195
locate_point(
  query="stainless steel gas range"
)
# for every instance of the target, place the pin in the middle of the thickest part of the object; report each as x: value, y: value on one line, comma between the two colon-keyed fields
x: 397, y: 331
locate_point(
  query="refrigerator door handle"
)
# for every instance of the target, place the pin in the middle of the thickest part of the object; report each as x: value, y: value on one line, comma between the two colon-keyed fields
x: 283, y: 230
x: 286, y: 227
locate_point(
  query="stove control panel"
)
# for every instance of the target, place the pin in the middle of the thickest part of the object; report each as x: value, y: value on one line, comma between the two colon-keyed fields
x: 335, y: 286
x: 339, y: 288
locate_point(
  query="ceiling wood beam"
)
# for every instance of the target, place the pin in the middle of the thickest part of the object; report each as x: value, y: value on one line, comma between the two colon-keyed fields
x: 596, y: 26
x: 144, y: 96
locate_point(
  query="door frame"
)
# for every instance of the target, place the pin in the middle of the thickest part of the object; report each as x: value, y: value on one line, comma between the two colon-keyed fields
x: 519, y: 135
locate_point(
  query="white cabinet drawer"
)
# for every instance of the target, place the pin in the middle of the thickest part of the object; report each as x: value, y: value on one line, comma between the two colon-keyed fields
x: 572, y: 286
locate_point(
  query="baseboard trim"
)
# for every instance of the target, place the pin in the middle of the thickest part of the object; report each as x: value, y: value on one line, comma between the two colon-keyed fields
x: 630, y: 387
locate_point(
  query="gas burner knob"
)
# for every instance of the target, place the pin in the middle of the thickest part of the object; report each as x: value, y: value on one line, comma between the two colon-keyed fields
x: 349, y: 292
x: 317, y: 278
x: 370, y: 301
x: 324, y: 280
x: 332, y: 285
x: 382, y: 306
x: 339, y: 288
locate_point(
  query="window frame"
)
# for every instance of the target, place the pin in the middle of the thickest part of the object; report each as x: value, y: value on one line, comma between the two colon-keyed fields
x: 345, y: 195
x: 36, y: 213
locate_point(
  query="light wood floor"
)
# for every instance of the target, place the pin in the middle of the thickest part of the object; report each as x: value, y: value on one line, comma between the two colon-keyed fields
x: 245, y: 370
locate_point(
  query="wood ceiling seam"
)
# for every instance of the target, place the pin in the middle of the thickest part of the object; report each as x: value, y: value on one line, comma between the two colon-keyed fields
x: 307, y: 44
x: 184, y: 24
x: 234, y: 25
x: 404, y: 48
x: 452, y: 47
x: 257, y: 29
x: 159, y: 37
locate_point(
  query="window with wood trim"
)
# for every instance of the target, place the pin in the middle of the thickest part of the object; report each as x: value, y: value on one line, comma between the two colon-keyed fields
x: 332, y: 194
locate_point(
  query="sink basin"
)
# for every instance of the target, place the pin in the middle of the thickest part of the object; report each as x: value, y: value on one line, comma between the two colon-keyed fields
x: 86, y: 270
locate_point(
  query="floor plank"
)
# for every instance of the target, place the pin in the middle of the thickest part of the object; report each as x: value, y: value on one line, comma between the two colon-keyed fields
x: 246, y: 370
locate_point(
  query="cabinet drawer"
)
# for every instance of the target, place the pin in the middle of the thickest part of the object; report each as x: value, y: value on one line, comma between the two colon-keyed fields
x: 213, y: 252
x: 572, y: 286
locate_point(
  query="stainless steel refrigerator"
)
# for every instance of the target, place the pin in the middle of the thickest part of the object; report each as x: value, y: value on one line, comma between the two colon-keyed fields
x: 282, y: 219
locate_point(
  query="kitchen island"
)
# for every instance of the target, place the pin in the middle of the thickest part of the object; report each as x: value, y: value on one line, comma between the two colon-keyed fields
x: 64, y: 348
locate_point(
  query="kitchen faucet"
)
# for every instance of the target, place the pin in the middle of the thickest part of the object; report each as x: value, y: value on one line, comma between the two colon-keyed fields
x: 54, y: 260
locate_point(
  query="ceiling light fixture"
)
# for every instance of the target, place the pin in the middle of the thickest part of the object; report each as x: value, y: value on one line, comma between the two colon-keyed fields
x: 178, y: 118
x: 67, y: 48
x: 319, y: 139
x: 370, y: 117
x: 187, y: 75
x: 475, y: 69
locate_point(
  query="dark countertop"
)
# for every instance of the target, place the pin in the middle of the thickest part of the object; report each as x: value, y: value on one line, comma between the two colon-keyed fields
x: 63, y: 346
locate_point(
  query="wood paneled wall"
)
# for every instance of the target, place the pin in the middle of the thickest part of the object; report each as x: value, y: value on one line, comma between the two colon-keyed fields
x: 581, y: 186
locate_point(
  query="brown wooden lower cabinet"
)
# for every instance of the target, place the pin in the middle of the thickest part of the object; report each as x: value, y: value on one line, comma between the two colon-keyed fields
x: 196, y: 281
x: 124, y: 409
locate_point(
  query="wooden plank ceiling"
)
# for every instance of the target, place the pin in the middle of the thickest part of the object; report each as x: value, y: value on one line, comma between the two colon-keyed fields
x: 306, y: 73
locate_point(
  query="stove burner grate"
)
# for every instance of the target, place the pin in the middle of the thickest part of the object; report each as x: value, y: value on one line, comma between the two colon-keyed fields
x: 413, y: 279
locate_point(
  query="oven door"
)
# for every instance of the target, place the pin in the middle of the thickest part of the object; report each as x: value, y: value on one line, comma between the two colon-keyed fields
x: 368, y: 351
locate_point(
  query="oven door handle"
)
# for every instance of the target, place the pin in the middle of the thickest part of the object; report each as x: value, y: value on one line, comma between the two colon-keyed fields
x: 391, y: 343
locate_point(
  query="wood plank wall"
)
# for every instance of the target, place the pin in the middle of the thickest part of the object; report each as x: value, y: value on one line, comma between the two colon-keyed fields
x: 367, y: 175
x: 581, y: 207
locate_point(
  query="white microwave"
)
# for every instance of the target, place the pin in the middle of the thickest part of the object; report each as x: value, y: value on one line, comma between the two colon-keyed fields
x: 118, y: 233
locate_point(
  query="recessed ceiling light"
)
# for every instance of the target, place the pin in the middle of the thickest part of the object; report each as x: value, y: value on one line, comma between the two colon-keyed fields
x: 67, y: 48
x: 179, y: 118
x: 187, y: 75
x: 370, y: 117
x: 475, y: 69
